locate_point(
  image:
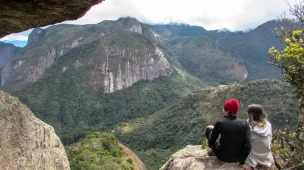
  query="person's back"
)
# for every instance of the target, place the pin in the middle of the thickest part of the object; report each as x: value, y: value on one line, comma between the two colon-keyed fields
x: 261, y: 136
x: 233, y: 134
x: 234, y: 142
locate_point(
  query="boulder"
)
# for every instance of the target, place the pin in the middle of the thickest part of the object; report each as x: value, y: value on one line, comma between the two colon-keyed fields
x: 196, y: 158
x: 26, y: 142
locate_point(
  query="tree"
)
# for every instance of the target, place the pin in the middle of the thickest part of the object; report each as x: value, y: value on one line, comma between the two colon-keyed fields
x: 291, y: 61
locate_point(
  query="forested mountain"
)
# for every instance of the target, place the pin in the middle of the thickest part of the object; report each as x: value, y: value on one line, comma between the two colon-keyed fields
x: 252, y: 46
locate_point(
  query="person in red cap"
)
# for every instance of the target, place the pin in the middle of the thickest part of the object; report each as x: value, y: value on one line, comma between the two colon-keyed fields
x: 229, y: 139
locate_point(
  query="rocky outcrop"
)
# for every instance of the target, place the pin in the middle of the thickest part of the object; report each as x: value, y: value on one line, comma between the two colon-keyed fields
x: 35, y: 35
x: 17, y: 16
x: 25, y: 141
x: 196, y: 158
x: 7, y: 51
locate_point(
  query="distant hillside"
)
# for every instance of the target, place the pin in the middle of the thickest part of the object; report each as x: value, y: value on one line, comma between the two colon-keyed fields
x: 252, y: 46
x: 212, y: 63
x: 102, y: 151
x: 206, y: 55
x: 184, y: 123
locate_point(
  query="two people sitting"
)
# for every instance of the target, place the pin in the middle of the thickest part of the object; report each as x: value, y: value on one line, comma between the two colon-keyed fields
x: 235, y: 140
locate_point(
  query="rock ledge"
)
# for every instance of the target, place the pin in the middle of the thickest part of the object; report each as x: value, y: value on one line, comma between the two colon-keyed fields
x: 193, y: 157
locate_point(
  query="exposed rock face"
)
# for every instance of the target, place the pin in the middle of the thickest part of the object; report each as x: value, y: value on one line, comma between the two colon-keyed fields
x: 120, y: 67
x: 195, y: 158
x: 46, y: 45
x: 7, y: 51
x: 25, y: 141
x: 19, y: 15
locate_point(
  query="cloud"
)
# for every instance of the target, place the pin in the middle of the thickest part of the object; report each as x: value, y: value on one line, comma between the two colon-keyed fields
x: 21, y: 36
x: 211, y: 14
x: 215, y: 14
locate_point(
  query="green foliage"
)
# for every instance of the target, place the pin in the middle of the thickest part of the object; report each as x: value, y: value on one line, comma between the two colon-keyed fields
x: 212, y: 63
x: 184, y: 122
x: 251, y: 46
x: 285, y: 147
x: 98, y: 151
x: 67, y: 101
x: 291, y: 60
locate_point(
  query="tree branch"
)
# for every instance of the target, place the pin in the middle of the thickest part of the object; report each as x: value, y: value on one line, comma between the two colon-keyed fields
x: 275, y: 64
x: 296, y: 166
x: 292, y: 146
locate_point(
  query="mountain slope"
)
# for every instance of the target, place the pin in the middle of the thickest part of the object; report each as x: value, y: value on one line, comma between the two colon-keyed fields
x: 206, y: 59
x: 86, y: 89
x: 46, y: 45
x: 212, y: 63
x: 252, y: 46
x: 183, y: 123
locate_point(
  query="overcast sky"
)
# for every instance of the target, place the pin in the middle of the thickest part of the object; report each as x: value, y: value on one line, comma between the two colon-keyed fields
x: 211, y: 14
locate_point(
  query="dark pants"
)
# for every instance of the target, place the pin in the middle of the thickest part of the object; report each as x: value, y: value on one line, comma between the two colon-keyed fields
x: 208, y: 133
x: 208, y: 136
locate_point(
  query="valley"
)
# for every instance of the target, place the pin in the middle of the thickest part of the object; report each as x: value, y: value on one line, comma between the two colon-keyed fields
x: 155, y: 87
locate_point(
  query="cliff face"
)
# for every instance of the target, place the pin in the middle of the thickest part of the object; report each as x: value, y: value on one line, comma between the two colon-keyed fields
x: 26, y: 142
x: 195, y: 158
x: 46, y: 45
x: 116, y: 67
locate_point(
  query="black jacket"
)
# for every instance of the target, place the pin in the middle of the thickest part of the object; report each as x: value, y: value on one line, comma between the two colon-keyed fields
x: 234, y: 144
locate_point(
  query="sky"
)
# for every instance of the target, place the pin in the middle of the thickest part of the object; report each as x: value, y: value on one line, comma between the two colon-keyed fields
x: 211, y: 14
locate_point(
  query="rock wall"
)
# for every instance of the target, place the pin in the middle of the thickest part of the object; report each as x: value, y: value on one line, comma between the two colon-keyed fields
x: 26, y: 142
x: 120, y: 67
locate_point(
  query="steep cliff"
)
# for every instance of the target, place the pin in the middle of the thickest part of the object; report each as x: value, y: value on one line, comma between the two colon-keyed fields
x: 45, y: 45
x: 7, y: 51
x: 114, y: 62
x: 26, y: 142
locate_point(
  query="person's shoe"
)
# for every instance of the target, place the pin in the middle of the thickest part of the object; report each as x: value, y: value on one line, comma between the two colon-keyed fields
x: 211, y: 153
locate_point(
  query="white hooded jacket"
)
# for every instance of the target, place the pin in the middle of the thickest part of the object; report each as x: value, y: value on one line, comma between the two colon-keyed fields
x: 260, y: 153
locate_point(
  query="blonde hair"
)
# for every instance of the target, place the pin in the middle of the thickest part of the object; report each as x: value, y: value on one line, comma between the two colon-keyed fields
x: 257, y: 115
